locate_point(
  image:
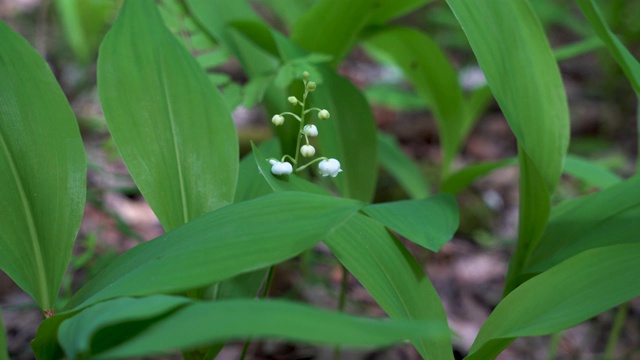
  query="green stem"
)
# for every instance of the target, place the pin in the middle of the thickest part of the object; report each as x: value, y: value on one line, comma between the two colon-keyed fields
x: 554, y: 345
x: 621, y: 316
x: 301, y: 129
x: 342, y: 298
x: 262, y: 295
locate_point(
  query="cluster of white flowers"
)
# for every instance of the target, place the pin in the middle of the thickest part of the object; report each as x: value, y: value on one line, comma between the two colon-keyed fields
x: 326, y: 166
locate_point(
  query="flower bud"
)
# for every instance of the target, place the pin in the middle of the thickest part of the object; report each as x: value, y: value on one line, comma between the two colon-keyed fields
x: 307, y: 150
x: 323, y: 114
x: 329, y: 167
x: 305, y: 75
x: 310, y: 130
x: 277, y: 120
x: 311, y: 86
x: 280, y: 168
x: 293, y: 100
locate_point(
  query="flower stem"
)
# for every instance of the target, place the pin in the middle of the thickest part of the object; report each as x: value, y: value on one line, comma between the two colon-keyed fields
x: 618, y: 323
x: 341, y: 302
x: 301, y: 130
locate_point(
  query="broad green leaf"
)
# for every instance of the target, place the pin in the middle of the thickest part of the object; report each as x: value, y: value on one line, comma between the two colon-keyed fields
x: 630, y: 66
x: 42, y: 172
x: 521, y: 71
x: 565, y: 295
x: 84, y: 23
x: 4, y: 350
x: 403, y: 169
x: 428, y: 69
x: 208, y: 322
x: 590, y: 172
x: 601, y: 219
x: 429, y: 222
x: 171, y: 125
x: 342, y: 22
x: 392, y: 276
x: 219, y: 245
x: 75, y: 334
x: 461, y: 179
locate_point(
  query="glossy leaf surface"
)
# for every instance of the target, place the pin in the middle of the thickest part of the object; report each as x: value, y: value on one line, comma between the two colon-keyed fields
x: 429, y: 222
x: 42, y: 172
x: 171, y: 125
x: 219, y: 245
x: 194, y: 325
x: 565, y: 295
x: 75, y: 334
x: 392, y: 276
x: 530, y: 93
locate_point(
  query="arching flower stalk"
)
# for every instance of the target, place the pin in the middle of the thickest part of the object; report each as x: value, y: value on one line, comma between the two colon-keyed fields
x: 287, y: 164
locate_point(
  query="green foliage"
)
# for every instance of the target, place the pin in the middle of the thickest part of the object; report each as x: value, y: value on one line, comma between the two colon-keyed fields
x: 4, y: 355
x: 229, y: 222
x: 190, y: 325
x: 43, y: 172
x: 158, y: 91
x: 565, y: 295
x: 532, y: 98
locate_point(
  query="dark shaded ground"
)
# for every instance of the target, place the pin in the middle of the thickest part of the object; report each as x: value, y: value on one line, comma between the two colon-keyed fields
x: 468, y: 272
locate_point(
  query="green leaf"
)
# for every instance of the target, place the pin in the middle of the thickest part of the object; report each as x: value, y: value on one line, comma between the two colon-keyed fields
x: 403, y: 169
x: 630, y: 66
x: 75, y: 334
x: 45, y: 345
x: 392, y: 276
x: 464, y: 177
x: 342, y: 22
x: 219, y: 245
x: 426, y: 66
x: 601, y: 219
x: 429, y: 223
x: 565, y: 295
x: 590, y: 172
x: 171, y: 125
x: 521, y: 71
x: 43, y: 167
x: 200, y: 323
x: 523, y: 75
x: 4, y: 350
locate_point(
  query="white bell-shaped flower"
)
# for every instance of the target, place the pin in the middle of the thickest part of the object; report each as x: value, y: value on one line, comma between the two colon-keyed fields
x: 310, y: 130
x: 292, y: 100
x: 280, y: 168
x: 329, y: 167
x: 323, y: 114
x: 277, y: 120
x: 307, y: 150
